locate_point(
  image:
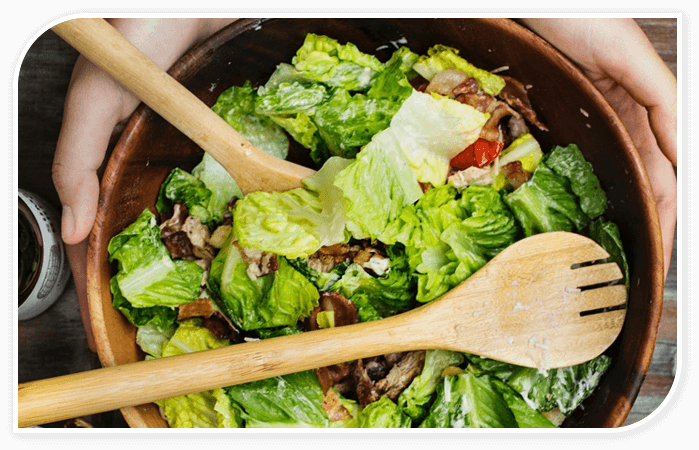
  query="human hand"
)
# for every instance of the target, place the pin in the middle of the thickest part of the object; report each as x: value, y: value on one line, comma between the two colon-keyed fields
x: 621, y: 62
x: 95, y: 104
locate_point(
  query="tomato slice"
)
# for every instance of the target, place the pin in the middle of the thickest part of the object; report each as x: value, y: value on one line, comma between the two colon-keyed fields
x: 479, y: 154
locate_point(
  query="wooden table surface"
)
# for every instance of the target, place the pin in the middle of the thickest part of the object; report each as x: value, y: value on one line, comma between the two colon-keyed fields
x: 54, y: 343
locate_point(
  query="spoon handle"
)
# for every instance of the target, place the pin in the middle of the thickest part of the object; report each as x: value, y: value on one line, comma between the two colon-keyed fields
x: 251, y: 168
x: 111, y: 388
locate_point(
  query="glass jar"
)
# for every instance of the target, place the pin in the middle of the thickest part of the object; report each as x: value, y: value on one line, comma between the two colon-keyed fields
x: 43, y: 269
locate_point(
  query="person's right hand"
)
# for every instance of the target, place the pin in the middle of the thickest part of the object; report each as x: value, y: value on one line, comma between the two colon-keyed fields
x: 95, y: 104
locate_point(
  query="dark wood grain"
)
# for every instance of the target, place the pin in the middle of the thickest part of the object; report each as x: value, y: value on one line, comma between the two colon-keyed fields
x: 55, y: 344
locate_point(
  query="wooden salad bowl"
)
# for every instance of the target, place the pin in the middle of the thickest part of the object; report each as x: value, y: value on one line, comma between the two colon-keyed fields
x: 565, y: 100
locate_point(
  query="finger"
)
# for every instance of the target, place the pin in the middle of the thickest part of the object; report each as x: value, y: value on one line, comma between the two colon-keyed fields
x: 77, y: 257
x: 647, y: 79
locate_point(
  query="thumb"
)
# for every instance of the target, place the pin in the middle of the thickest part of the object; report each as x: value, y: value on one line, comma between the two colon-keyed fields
x: 92, y: 110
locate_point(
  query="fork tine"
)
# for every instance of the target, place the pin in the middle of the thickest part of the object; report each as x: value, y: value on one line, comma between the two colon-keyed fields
x: 598, y: 298
x: 596, y: 274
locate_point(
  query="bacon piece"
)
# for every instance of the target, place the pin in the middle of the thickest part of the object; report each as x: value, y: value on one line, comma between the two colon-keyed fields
x: 333, y: 408
x: 213, y: 319
x: 515, y: 94
x: 515, y: 174
x: 259, y: 263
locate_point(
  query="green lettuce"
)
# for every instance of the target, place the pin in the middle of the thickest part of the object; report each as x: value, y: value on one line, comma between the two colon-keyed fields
x: 525, y: 415
x: 294, y: 223
x: 388, y: 294
x: 562, y: 195
x: 569, y: 162
x: 468, y: 400
x: 564, y: 388
x: 237, y: 106
x: 415, y: 399
x: 382, y: 413
x: 325, y: 60
x: 206, y: 191
x: 333, y: 98
x: 448, y: 238
x: 159, y: 317
x: 293, y: 400
x: 440, y: 58
x: 606, y: 234
x: 431, y: 130
x: 278, y: 299
x: 146, y: 275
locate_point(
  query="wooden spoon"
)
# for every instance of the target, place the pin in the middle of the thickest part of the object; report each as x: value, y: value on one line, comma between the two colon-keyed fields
x: 523, y: 307
x: 252, y: 169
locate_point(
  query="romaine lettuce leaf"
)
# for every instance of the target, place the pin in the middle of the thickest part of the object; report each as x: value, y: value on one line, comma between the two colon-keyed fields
x: 159, y: 317
x: 236, y: 106
x: 431, y: 130
x: 294, y: 223
x: 293, y: 400
x: 278, y: 299
x: 525, y: 415
x: 415, y: 399
x: 447, y: 238
x: 152, y: 340
x: 564, y: 388
x: 335, y: 98
x: 606, y: 234
x: 146, y: 275
x: 376, y: 187
x: 205, y: 191
x: 468, y: 400
x: 325, y: 60
x: 546, y: 203
x: 382, y: 413
x: 570, y: 163
x: 388, y: 294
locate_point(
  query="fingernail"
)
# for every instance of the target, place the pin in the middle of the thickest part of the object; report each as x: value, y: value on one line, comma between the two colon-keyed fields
x: 67, y: 222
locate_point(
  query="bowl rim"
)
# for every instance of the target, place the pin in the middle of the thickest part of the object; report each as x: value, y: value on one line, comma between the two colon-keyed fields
x: 642, y: 358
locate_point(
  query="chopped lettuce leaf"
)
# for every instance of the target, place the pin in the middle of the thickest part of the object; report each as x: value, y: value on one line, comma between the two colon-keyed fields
x: 325, y: 60
x: 206, y: 191
x: 236, y: 106
x: 159, y: 317
x: 147, y: 276
x: 606, y: 234
x: 221, y: 185
x: 152, y: 340
x: 382, y: 413
x: 468, y: 400
x: 294, y: 223
x: 388, y: 294
x: 524, y: 149
x: 415, y: 399
x: 448, y: 238
x: 376, y: 187
x: 440, y: 58
x: 335, y: 98
x: 569, y: 162
x: 431, y: 130
x: 564, y: 388
x: 293, y: 400
x: 546, y: 203
x: 525, y: 415
x: 278, y: 299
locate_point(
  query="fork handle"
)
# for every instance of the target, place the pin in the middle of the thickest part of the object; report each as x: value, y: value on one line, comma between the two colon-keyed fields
x: 251, y: 168
x: 111, y: 388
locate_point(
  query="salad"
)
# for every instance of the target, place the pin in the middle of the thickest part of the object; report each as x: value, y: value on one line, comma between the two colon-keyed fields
x: 427, y: 169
